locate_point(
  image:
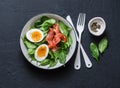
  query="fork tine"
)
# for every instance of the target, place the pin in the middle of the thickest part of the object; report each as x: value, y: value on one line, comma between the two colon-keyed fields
x: 78, y: 21
x: 81, y: 19
x: 84, y: 16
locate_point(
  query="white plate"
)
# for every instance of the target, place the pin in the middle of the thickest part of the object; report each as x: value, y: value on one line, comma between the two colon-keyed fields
x: 27, y: 27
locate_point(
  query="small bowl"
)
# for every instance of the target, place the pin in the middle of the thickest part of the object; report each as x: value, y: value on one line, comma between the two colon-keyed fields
x: 97, y: 26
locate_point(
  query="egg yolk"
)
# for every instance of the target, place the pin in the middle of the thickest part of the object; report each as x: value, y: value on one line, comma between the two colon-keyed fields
x: 36, y: 36
x: 42, y: 51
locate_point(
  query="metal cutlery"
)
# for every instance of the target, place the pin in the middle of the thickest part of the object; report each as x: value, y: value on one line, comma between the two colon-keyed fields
x: 77, y: 63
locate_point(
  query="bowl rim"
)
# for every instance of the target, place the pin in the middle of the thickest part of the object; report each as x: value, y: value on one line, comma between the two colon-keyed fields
x: 21, y: 41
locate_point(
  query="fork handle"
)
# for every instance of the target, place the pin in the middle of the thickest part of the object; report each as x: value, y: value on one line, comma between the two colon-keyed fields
x: 88, y: 63
x: 77, y: 64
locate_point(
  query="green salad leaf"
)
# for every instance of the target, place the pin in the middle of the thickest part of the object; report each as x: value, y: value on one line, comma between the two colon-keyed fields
x: 62, y: 57
x: 69, y: 41
x: 103, y: 45
x: 53, y: 63
x: 45, y: 62
x: 44, y: 18
x: 38, y: 23
x: 31, y: 51
x: 51, y: 54
x: 63, y: 45
x: 47, y: 24
x: 44, y: 23
x: 94, y: 51
x: 32, y: 57
x: 29, y: 44
x: 64, y: 28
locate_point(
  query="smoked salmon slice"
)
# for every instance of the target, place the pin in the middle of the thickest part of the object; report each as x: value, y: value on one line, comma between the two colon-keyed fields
x: 54, y: 37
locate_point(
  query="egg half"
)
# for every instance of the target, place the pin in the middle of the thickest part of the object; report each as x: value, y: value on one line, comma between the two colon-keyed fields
x: 35, y: 35
x: 41, y: 52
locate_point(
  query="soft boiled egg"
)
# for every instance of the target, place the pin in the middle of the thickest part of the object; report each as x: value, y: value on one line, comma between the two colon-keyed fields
x: 35, y: 35
x: 41, y: 52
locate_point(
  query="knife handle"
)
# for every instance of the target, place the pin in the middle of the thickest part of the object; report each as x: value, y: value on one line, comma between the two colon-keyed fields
x: 88, y: 63
x: 77, y: 64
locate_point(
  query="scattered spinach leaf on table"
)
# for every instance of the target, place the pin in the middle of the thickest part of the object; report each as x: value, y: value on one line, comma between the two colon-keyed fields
x: 94, y: 51
x: 103, y: 45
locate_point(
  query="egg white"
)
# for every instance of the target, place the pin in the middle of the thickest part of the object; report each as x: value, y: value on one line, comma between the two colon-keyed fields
x: 29, y: 33
x: 41, y: 58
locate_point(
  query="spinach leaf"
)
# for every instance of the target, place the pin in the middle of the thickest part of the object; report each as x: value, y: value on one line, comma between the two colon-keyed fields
x: 94, y: 51
x: 53, y: 58
x: 51, y: 54
x: 57, y: 54
x: 64, y: 28
x: 66, y: 45
x: 45, y: 62
x: 31, y: 51
x: 53, y: 63
x: 62, y: 56
x: 103, y: 45
x: 47, y: 24
x: 29, y: 45
x: 69, y: 41
x: 63, y: 45
x: 38, y: 22
x: 32, y: 57
x: 44, y: 18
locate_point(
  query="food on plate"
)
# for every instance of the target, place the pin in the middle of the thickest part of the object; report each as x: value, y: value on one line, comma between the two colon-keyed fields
x: 34, y: 35
x: 48, y: 41
x: 41, y: 52
x: 54, y: 37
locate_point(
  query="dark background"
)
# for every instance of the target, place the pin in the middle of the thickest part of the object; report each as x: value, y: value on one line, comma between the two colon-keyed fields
x: 17, y: 72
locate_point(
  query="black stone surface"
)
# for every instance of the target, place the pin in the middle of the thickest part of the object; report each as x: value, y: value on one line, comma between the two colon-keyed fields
x: 16, y: 72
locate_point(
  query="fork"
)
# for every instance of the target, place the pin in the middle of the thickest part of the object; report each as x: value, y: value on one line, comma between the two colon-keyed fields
x: 86, y: 58
x: 80, y: 28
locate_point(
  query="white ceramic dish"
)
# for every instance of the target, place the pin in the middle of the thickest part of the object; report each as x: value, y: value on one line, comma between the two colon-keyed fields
x: 27, y: 27
x: 101, y: 22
